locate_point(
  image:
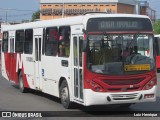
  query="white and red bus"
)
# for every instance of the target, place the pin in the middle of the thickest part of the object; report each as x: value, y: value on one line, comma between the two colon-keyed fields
x: 157, y: 47
x: 93, y: 59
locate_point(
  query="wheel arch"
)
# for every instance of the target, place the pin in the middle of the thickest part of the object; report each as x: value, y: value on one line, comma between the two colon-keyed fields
x: 18, y: 73
x: 59, y: 85
x: 19, y: 70
x: 60, y: 82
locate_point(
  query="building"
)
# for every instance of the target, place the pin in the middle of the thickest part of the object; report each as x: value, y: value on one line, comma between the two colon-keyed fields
x: 146, y: 10
x: 51, y: 9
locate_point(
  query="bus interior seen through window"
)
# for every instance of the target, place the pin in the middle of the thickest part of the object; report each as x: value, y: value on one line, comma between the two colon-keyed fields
x: 19, y: 42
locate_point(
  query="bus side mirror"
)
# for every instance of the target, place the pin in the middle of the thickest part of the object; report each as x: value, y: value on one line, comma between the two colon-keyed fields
x: 84, y: 45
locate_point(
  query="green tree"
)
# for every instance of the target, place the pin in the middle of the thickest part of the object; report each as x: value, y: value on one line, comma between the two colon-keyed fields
x: 157, y: 27
x: 36, y: 15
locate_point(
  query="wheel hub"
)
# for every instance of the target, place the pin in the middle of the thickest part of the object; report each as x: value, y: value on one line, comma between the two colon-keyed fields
x: 64, y: 94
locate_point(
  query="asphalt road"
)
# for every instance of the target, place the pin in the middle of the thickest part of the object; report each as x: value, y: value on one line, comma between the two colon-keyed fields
x: 11, y: 99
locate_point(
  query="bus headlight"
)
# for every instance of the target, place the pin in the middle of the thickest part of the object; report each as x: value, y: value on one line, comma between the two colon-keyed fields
x: 150, y: 84
x: 95, y: 87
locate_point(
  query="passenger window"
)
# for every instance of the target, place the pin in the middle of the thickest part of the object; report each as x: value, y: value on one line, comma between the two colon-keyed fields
x: 64, y: 41
x: 51, y: 42
x: 75, y: 51
x: 5, y: 42
x: 28, y: 44
x: 19, y: 41
x: 11, y: 45
x: 43, y: 43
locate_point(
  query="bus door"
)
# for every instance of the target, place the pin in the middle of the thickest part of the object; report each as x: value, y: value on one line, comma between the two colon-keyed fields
x: 12, y: 67
x: 37, y: 62
x: 77, y: 68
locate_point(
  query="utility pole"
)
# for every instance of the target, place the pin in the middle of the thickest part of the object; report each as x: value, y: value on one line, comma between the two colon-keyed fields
x: 7, y: 15
x: 63, y: 9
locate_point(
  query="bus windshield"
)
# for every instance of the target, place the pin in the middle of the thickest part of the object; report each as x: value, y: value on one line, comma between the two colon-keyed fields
x: 120, y: 54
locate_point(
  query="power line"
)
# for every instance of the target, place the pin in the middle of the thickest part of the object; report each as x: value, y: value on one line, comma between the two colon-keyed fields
x: 153, y: 1
x: 17, y: 15
x: 15, y: 9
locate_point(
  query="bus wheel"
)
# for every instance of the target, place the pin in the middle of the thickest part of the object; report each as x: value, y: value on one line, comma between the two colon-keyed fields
x: 64, y: 95
x: 21, y: 83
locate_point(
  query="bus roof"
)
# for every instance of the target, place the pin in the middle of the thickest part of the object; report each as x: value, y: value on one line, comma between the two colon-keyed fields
x: 76, y: 20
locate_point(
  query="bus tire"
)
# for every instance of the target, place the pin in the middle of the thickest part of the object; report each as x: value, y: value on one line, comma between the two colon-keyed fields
x: 21, y: 83
x: 64, y: 95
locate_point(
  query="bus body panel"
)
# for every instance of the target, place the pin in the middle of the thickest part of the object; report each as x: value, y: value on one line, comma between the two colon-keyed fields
x: 12, y: 56
x: 94, y: 98
x: 28, y: 65
x: 4, y: 65
x: 52, y: 74
x: 158, y: 62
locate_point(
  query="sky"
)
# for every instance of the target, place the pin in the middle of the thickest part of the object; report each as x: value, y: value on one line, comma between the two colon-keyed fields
x: 18, y: 10
x: 155, y: 4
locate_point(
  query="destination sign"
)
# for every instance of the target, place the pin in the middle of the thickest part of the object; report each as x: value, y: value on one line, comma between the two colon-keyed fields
x: 137, y: 67
x: 118, y: 24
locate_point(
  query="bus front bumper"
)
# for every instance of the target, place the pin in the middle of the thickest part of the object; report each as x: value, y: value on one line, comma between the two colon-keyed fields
x: 101, y: 98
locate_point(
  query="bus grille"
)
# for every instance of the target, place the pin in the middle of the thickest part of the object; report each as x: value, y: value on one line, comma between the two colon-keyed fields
x: 124, y: 81
x: 124, y: 96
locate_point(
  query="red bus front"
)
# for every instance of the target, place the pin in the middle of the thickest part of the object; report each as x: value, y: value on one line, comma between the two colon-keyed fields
x: 117, y: 68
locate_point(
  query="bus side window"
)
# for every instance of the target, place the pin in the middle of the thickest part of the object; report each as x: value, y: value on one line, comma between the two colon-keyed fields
x: 64, y: 41
x: 19, y: 42
x: 28, y: 44
x: 51, y: 41
x: 5, y: 42
x: 43, y: 45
